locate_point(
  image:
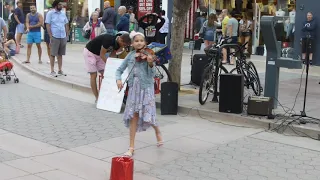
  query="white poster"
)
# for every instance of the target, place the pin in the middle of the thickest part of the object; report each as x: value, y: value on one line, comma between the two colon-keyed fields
x: 110, y: 99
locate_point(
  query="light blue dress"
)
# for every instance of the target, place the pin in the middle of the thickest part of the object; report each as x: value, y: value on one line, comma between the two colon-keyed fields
x: 141, y: 101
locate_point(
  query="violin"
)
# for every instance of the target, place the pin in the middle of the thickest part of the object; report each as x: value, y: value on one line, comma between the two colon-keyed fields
x: 142, y: 54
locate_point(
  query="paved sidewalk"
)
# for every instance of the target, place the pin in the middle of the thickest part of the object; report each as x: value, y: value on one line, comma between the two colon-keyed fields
x: 48, y: 132
x: 290, y: 79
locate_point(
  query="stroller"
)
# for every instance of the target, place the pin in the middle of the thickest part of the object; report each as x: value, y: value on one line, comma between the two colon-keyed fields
x: 6, y: 68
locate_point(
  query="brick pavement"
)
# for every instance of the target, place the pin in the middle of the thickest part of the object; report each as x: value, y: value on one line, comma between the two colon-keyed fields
x: 247, y: 159
x: 194, y: 148
x: 56, y: 120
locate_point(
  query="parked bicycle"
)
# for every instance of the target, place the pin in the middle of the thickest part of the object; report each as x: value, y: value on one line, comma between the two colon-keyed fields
x: 210, y: 77
x: 211, y: 72
x: 249, y: 72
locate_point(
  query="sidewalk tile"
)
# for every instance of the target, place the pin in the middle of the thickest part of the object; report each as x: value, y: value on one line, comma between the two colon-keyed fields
x: 117, y: 145
x: 25, y: 147
x: 76, y: 164
x: 140, y: 176
x: 155, y: 155
x: 223, y: 135
x: 29, y: 165
x: 58, y: 175
x: 188, y: 145
x: 8, y: 172
x: 93, y: 152
x: 30, y: 177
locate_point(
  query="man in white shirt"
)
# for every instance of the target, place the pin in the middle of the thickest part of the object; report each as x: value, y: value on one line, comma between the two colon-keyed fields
x: 163, y: 32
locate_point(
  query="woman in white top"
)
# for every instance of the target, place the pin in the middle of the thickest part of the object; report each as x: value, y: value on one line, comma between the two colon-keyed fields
x: 245, y: 30
x: 95, y: 25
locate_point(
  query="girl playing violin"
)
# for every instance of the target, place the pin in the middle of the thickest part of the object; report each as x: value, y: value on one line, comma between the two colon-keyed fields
x: 140, y: 110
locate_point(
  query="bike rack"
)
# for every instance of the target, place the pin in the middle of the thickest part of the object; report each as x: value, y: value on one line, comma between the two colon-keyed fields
x: 273, y: 60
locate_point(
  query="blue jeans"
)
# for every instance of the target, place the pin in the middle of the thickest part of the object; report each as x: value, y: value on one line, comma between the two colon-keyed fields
x: 110, y: 31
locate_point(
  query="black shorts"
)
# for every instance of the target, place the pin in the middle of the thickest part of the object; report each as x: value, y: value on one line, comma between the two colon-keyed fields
x: 246, y: 34
x: 234, y: 40
x: 304, y: 45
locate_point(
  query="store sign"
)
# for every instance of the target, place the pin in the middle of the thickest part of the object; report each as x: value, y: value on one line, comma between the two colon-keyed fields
x: 144, y: 7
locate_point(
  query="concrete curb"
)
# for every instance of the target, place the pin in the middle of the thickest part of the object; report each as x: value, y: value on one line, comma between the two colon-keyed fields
x: 47, y: 77
x: 232, y: 119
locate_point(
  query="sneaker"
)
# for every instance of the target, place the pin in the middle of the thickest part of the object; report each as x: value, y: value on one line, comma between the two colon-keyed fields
x: 53, y: 73
x: 60, y: 72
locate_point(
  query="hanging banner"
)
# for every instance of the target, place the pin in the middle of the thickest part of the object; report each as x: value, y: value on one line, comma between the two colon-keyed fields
x: 144, y: 7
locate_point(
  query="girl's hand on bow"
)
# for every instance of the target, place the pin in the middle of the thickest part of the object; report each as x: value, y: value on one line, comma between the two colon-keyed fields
x: 150, y: 59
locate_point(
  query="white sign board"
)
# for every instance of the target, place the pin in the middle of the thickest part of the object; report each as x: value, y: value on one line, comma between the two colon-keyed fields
x: 110, y: 99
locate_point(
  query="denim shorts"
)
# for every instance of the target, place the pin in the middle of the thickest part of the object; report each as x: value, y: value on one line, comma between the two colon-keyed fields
x: 20, y: 28
x: 34, y: 37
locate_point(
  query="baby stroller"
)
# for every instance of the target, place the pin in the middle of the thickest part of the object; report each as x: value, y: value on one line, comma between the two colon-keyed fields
x: 6, y: 68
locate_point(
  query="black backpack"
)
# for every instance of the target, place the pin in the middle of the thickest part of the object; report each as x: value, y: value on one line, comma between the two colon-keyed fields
x: 13, y: 21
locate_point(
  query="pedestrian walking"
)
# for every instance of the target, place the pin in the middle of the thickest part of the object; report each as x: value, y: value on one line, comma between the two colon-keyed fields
x: 58, y: 30
x: 95, y: 26
x: 133, y: 22
x: 140, y: 110
x: 94, y: 55
x: 20, y: 19
x: 12, y: 23
x: 123, y: 24
x: 34, y: 22
x: 208, y: 30
x: 109, y: 18
x: 163, y: 32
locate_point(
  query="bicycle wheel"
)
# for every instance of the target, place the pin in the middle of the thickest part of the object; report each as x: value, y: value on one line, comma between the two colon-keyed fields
x: 207, y: 82
x: 163, y: 74
x: 253, y: 78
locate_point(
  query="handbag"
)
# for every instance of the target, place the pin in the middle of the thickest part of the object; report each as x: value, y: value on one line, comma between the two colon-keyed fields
x: 121, y: 168
x: 86, y: 34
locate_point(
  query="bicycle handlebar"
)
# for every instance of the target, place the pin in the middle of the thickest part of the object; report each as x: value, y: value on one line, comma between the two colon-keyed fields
x: 239, y: 48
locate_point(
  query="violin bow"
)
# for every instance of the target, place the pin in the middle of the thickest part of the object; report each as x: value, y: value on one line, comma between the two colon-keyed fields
x: 127, y: 79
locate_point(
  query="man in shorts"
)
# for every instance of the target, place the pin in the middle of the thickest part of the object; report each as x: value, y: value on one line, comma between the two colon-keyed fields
x: 20, y: 19
x: 34, y: 22
x: 94, y: 55
x: 58, y: 30
x: 232, y: 33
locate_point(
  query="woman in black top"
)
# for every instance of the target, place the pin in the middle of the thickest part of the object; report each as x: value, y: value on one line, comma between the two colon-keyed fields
x: 151, y: 27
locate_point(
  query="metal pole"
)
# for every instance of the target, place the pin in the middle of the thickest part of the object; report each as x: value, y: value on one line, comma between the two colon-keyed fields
x: 2, y: 9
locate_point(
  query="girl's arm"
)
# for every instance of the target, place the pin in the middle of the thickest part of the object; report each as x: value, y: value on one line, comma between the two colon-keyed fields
x: 122, y: 67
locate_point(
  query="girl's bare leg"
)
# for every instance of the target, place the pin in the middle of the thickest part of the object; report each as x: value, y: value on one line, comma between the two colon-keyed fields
x: 158, y: 135
x: 206, y: 43
x: 247, y: 39
x: 133, y: 131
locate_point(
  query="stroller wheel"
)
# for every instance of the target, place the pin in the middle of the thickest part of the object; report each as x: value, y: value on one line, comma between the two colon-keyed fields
x: 8, y: 78
x: 16, y: 80
x: 3, y: 81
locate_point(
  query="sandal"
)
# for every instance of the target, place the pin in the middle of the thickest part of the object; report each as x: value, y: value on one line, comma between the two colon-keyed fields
x: 159, y: 140
x: 130, y: 152
x: 26, y: 62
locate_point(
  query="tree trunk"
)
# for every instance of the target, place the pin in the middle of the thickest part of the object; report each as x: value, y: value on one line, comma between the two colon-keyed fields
x: 180, y: 9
